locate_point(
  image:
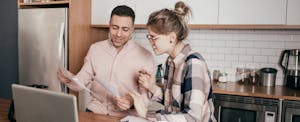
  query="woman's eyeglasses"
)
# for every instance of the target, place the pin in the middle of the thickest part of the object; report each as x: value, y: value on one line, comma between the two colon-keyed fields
x: 151, y: 37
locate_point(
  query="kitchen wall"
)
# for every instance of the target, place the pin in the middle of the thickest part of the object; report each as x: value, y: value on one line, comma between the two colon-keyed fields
x: 228, y: 49
x: 8, y: 46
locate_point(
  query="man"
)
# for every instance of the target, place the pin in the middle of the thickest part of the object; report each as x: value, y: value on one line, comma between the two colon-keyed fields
x: 117, y: 59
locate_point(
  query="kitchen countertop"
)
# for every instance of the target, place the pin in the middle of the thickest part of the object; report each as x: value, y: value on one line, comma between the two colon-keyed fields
x: 275, y: 92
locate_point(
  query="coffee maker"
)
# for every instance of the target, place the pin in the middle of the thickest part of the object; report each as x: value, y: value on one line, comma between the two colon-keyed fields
x: 290, y: 63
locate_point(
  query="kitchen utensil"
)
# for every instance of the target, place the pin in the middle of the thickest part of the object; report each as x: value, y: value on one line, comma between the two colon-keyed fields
x: 268, y: 76
x: 290, y: 63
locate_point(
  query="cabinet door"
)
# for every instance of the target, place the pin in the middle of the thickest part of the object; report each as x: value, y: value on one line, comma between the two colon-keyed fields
x: 101, y: 9
x: 145, y: 7
x: 203, y: 11
x: 293, y: 16
x: 252, y: 11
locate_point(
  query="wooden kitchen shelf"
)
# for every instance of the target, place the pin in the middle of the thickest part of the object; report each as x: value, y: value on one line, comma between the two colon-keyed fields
x: 198, y: 26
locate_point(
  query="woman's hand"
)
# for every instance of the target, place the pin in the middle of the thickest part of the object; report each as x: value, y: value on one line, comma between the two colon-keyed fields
x: 139, y: 103
x: 61, y: 77
x: 147, y: 80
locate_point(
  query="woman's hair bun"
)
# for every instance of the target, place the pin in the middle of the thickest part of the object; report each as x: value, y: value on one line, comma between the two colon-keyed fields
x: 181, y: 9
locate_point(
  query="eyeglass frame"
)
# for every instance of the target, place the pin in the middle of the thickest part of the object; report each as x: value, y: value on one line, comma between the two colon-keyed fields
x: 151, y: 37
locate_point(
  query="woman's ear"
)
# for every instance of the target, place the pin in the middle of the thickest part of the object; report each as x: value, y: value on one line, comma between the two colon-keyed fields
x: 173, y: 37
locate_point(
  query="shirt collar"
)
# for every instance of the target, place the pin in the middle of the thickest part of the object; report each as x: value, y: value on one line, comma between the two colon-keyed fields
x: 125, y: 47
x: 180, y: 58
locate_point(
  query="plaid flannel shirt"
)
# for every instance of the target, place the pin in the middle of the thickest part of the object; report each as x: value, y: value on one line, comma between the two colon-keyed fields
x: 188, y: 89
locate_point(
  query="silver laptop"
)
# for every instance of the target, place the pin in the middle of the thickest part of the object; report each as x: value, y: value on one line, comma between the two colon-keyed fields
x: 38, y: 105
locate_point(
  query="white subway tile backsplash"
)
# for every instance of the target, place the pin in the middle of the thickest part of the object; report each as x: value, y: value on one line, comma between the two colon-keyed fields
x: 295, y: 38
x: 205, y: 43
x: 212, y: 50
x: 231, y: 58
x: 247, y: 43
x: 218, y: 43
x: 268, y: 37
x: 212, y: 36
x: 293, y: 45
x: 282, y: 37
x: 238, y: 51
x: 268, y: 52
x: 253, y: 51
x: 225, y: 36
x: 261, y: 44
x: 245, y: 58
x: 273, y: 44
x: 273, y: 59
x: 260, y: 59
x: 224, y: 64
x: 228, y: 49
x: 252, y: 65
x: 224, y: 50
x: 217, y: 57
x: 232, y: 43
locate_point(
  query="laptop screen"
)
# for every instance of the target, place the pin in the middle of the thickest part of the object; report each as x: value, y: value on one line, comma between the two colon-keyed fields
x: 39, y: 105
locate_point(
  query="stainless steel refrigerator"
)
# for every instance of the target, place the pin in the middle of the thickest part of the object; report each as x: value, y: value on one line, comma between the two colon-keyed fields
x: 42, y: 33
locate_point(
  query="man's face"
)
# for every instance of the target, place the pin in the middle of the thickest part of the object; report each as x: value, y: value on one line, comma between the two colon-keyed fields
x: 120, y: 30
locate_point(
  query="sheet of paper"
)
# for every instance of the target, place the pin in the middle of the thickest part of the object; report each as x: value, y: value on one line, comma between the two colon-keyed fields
x: 74, y: 79
x: 110, y: 87
x: 60, y: 55
x: 123, y: 85
x: 130, y: 118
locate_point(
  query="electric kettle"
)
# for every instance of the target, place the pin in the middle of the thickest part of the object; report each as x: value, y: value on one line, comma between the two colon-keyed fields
x: 290, y: 63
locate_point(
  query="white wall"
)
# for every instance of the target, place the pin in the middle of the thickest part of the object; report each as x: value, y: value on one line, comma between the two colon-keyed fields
x: 228, y: 49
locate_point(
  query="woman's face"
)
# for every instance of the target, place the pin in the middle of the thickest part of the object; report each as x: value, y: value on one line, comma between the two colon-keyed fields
x: 159, y: 43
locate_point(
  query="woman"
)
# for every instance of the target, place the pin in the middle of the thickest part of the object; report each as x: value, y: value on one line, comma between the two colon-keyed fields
x: 187, y: 92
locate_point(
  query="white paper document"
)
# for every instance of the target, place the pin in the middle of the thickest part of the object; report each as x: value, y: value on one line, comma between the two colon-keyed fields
x: 130, y: 118
x: 60, y: 55
x: 113, y: 88
x: 74, y: 79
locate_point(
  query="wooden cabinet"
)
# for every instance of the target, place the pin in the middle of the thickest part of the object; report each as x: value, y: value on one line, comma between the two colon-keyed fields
x: 293, y: 16
x: 101, y: 9
x: 267, y: 12
x: 145, y: 7
x: 81, y: 35
x: 204, y: 11
x: 27, y: 3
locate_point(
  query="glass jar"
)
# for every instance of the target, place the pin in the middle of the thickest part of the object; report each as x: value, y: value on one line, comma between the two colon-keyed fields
x: 223, y: 77
x: 216, y: 75
x: 243, y: 76
x: 254, y: 77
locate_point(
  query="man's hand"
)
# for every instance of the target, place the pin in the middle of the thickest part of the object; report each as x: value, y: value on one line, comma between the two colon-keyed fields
x: 61, y: 77
x: 124, y: 103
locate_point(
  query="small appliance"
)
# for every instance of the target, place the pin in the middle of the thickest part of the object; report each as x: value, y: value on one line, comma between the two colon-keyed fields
x: 290, y: 63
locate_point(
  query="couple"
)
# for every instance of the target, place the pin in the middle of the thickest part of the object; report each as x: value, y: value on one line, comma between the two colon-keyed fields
x: 187, y: 92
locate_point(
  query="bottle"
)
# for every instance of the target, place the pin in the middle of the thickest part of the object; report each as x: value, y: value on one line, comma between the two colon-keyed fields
x: 158, y: 76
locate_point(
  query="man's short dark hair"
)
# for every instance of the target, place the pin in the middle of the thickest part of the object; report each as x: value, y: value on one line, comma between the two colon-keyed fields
x: 123, y: 10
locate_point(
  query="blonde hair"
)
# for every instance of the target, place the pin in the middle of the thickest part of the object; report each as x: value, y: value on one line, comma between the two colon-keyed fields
x: 166, y: 21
